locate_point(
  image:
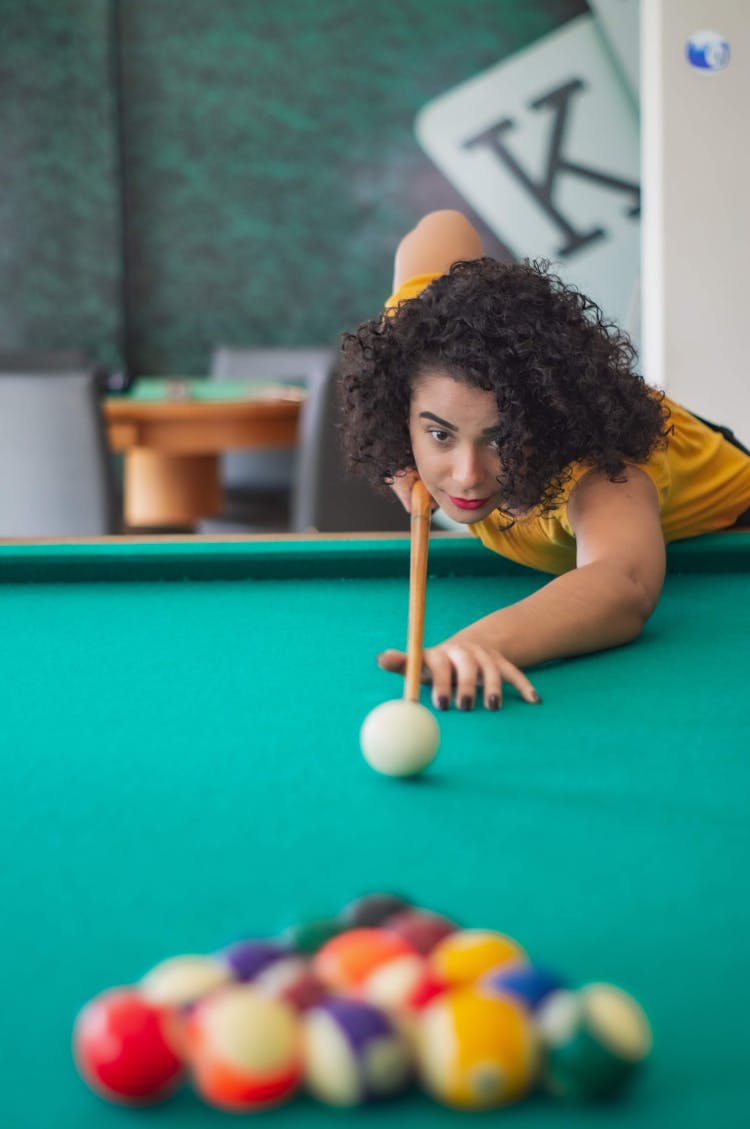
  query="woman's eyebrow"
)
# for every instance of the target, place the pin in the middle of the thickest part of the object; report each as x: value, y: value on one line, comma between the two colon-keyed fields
x: 452, y: 427
x: 437, y: 419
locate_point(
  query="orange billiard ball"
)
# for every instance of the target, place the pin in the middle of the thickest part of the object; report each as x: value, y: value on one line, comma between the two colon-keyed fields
x: 347, y: 962
x: 244, y: 1049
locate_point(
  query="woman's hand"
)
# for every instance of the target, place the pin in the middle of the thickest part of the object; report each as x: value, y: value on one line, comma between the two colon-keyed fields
x: 459, y: 667
x: 401, y: 485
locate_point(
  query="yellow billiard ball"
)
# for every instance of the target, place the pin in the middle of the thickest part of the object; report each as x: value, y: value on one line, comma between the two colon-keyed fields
x: 476, y: 1050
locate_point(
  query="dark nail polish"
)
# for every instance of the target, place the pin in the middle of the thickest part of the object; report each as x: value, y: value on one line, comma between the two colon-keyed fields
x: 443, y: 702
x: 493, y: 702
x: 466, y: 703
x: 536, y: 699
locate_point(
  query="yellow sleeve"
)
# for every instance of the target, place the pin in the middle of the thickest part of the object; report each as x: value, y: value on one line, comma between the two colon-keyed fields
x: 412, y: 288
x: 657, y: 469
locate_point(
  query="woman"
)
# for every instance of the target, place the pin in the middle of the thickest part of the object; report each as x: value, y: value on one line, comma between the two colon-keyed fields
x: 517, y: 405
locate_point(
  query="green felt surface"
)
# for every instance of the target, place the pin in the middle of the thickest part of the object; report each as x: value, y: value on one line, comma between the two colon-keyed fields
x: 155, y: 389
x: 180, y: 766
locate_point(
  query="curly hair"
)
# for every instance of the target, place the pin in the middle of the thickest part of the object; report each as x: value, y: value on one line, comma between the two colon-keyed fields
x: 562, y: 376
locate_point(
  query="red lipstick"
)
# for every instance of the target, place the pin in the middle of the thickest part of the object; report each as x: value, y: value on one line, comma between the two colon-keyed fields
x: 469, y: 503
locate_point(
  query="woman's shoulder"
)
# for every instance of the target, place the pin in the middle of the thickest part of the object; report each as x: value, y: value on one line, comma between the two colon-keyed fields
x: 411, y: 288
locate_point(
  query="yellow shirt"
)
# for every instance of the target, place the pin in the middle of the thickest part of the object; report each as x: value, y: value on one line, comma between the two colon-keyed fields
x: 702, y: 482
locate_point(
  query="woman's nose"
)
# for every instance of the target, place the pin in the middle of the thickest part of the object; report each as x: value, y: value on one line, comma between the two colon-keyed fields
x: 468, y: 470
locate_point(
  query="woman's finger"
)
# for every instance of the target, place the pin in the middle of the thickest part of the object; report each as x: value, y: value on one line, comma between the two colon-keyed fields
x: 466, y: 670
x: 516, y: 678
x: 441, y: 674
x: 394, y: 661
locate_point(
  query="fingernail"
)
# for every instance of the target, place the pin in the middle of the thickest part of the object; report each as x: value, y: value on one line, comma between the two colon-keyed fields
x: 443, y: 702
x: 466, y: 703
x: 493, y: 702
x: 535, y: 698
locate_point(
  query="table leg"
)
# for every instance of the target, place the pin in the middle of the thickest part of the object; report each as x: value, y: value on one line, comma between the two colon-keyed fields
x: 165, y: 490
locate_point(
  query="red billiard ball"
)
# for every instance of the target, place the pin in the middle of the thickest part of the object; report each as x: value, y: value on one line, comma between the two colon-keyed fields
x: 127, y: 1048
x: 420, y: 928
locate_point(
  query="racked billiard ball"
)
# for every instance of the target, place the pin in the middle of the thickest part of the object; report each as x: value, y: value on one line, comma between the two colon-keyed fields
x: 182, y: 980
x: 467, y: 954
x: 307, y: 937
x: 372, y: 910
x: 422, y: 928
x: 347, y: 962
x: 244, y: 1049
x: 529, y: 983
x: 594, y: 1040
x: 126, y: 1048
x: 354, y: 1053
x: 247, y: 959
x: 476, y: 1050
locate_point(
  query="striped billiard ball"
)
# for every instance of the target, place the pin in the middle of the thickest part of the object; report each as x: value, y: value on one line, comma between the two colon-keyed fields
x: 354, y: 1053
x: 244, y: 1049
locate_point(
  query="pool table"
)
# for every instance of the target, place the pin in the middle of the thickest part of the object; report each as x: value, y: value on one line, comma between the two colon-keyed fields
x: 181, y: 767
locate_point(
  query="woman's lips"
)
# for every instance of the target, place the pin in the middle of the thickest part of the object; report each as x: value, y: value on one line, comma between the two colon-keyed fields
x: 469, y: 503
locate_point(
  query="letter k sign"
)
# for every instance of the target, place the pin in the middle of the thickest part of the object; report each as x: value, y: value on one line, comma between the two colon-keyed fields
x: 545, y: 147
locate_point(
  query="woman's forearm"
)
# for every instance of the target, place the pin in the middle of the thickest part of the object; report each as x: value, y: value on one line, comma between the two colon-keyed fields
x: 588, y: 609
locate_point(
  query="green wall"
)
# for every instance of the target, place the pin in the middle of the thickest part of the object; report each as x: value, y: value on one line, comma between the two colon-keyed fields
x: 182, y: 173
x: 60, y: 261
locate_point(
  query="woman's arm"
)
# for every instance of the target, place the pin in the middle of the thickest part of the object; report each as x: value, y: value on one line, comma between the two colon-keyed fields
x: 439, y: 240
x: 603, y: 602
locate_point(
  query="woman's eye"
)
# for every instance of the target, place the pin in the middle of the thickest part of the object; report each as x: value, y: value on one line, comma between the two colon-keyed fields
x: 495, y: 444
x: 439, y: 436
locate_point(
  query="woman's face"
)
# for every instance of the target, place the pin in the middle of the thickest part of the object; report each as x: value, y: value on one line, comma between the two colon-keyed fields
x: 453, y: 429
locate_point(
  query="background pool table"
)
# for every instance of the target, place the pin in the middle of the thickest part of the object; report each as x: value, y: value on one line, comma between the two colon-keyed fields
x: 180, y: 766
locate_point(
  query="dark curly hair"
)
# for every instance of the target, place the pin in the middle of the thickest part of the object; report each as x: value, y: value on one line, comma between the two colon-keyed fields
x: 562, y: 376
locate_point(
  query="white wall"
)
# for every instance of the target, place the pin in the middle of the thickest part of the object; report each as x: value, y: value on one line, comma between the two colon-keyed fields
x: 696, y: 181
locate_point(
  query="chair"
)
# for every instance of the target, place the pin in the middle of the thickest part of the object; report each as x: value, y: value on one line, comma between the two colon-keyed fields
x: 248, y: 474
x: 56, y: 474
x: 322, y: 494
x: 326, y: 497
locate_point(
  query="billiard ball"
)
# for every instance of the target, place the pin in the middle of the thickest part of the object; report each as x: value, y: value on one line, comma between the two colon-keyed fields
x: 476, y: 1050
x: 396, y: 983
x: 293, y: 980
x: 399, y: 738
x: 353, y: 1053
x: 528, y: 983
x: 594, y: 1040
x: 372, y: 910
x: 346, y: 962
x: 247, y: 959
x: 180, y: 981
x: 244, y: 1049
x: 307, y: 937
x: 421, y: 928
x: 127, y: 1048
x: 465, y: 955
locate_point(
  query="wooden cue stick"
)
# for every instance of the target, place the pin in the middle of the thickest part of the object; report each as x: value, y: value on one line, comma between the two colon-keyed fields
x: 421, y: 514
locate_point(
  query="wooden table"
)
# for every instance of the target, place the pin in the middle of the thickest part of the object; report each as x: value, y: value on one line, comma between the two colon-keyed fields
x: 172, y: 432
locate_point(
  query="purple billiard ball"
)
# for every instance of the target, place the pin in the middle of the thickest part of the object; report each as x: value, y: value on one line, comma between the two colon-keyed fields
x: 248, y: 959
x: 353, y: 1053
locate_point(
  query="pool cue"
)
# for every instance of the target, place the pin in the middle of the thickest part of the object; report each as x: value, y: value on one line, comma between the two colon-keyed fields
x: 421, y: 515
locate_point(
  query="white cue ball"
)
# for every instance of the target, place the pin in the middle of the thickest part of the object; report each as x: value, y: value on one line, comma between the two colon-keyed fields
x: 399, y: 738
